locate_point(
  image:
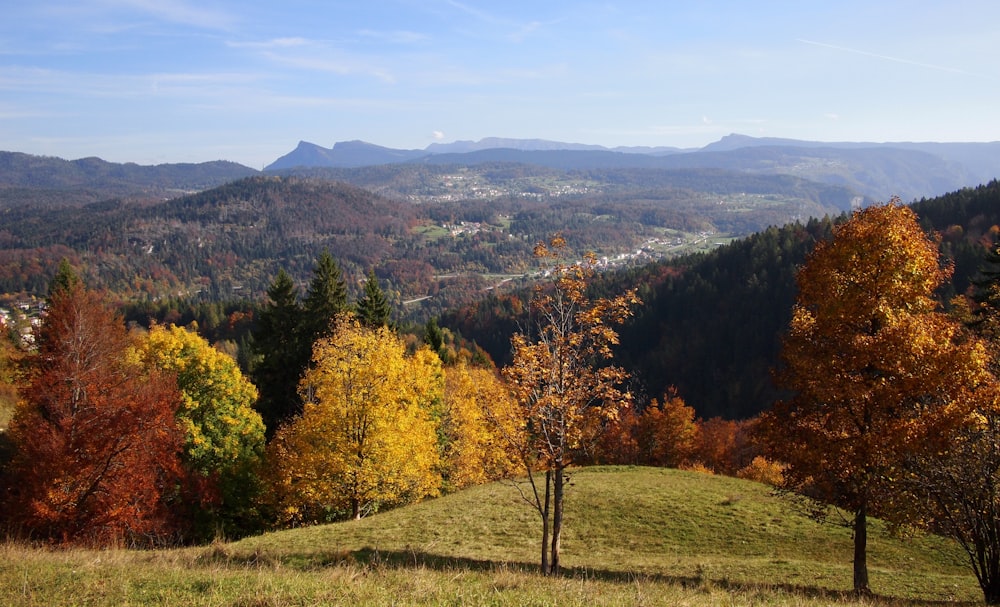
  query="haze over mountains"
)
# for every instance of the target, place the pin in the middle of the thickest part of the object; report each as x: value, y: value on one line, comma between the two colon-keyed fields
x: 874, y: 170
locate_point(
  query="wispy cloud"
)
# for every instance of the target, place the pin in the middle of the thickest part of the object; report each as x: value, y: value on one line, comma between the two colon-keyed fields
x: 518, y: 30
x: 395, y: 36
x: 845, y: 49
x: 333, y: 62
x: 182, y: 13
x: 272, y: 43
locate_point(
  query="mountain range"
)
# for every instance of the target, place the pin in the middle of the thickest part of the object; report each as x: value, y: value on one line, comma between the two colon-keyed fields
x: 876, y: 171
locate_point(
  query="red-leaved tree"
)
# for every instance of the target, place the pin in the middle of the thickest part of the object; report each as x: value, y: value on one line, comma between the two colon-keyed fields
x: 96, y: 444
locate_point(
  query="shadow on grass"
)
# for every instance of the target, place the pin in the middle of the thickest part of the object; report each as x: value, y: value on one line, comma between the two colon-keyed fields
x: 371, y: 557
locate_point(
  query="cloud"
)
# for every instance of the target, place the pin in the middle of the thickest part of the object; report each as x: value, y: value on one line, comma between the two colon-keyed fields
x: 183, y: 13
x: 273, y: 43
x: 437, y: 135
x: 395, y: 37
x: 334, y: 63
x: 845, y: 49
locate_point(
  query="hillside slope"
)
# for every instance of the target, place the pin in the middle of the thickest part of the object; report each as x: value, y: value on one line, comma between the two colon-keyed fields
x: 632, y: 536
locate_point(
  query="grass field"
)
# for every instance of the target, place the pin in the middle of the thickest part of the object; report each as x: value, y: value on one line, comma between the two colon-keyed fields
x: 634, y: 536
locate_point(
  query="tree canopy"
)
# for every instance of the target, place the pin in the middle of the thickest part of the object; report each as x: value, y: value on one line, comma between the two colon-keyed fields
x: 97, y: 455
x: 366, y: 437
x: 876, y: 371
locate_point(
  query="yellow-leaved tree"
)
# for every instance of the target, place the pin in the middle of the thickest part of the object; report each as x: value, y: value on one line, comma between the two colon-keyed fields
x: 877, y: 372
x: 475, y: 450
x: 366, y: 437
x: 223, y: 434
x: 564, y: 390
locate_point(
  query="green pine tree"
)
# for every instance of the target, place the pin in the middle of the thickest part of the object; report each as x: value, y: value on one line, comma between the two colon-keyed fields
x: 373, y: 308
x: 281, y: 354
x: 325, y: 299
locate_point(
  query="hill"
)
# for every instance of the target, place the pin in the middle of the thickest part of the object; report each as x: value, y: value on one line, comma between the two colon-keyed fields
x: 27, y: 179
x: 633, y: 536
x: 413, y: 224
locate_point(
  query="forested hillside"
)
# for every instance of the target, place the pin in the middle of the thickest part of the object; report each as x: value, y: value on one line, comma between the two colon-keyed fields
x: 27, y: 179
x: 711, y: 323
x: 439, y: 235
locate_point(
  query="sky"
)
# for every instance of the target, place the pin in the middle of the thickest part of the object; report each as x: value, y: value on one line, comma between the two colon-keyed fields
x: 159, y: 81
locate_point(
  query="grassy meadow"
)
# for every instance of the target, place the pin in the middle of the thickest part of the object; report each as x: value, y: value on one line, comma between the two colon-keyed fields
x: 633, y: 536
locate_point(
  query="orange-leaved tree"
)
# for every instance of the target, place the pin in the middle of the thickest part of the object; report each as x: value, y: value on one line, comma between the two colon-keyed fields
x: 661, y: 434
x: 876, y: 371
x: 366, y: 437
x: 564, y: 395
x: 97, y: 445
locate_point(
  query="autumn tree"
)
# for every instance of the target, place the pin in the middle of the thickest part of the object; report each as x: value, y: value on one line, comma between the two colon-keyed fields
x: 97, y: 445
x: 661, y: 434
x: 876, y: 371
x: 473, y: 450
x: 223, y: 434
x: 366, y: 438
x: 563, y: 393
x: 960, y: 486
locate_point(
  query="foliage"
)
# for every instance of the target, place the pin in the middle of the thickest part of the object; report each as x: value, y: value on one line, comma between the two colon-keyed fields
x: 373, y: 307
x: 763, y: 470
x: 564, y: 399
x: 97, y: 444
x: 223, y: 434
x: 281, y: 354
x: 366, y: 439
x: 877, y: 372
x: 661, y: 434
x: 959, y: 486
x: 325, y: 299
x: 474, y: 448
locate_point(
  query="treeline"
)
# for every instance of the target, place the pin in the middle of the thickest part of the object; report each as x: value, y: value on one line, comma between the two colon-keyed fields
x: 155, y: 435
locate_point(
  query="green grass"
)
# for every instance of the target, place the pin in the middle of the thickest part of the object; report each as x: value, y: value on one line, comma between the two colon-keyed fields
x: 634, y: 536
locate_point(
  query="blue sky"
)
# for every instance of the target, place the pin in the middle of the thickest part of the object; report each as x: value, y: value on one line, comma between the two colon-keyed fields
x: 154, y: 81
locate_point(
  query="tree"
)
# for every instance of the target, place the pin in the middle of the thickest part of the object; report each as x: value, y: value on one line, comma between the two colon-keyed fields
x: 474, y: 450
x: 961, y: 489
x: 282, y: 354
x: 325, y: 300
x: 223, y: 434
x: 366, y: 438
x: 564, y: 399
x: 65, y: 278
x: 876, y: 372
x: 97, y: 445
x: 373, y: 308
x: 662, y: 434
x: 961, y: 485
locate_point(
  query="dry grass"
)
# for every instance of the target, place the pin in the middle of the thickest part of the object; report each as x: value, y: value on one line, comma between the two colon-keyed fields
x: 633, y: 537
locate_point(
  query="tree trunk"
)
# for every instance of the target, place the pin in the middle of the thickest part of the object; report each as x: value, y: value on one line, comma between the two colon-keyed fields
x: 545, y: 522
x: 557, y: 516
x: 861, y: 550
x: 356, y: 508
x: 991, y: 591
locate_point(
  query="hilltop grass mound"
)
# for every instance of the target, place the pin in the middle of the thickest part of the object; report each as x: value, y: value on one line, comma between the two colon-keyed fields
x: 633, y: 536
